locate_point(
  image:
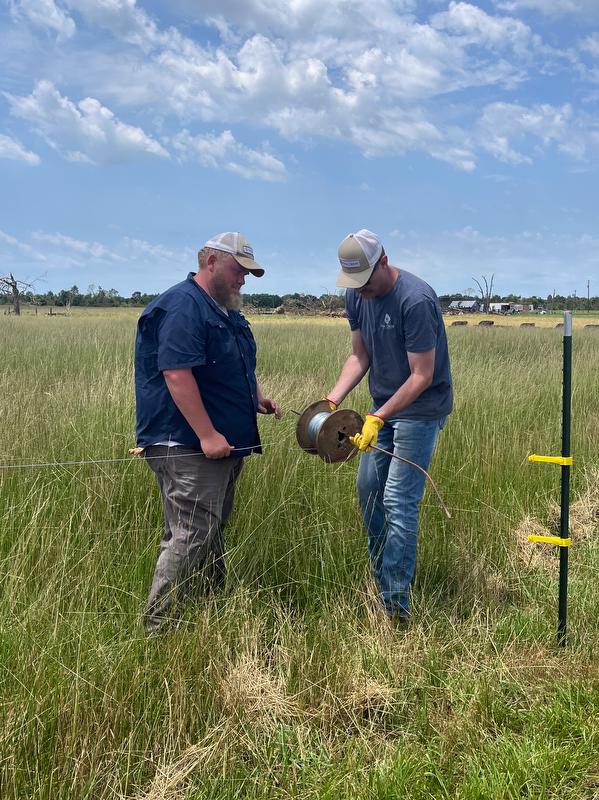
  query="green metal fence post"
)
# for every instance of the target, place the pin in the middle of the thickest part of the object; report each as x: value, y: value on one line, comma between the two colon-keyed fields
x: 565, y: 493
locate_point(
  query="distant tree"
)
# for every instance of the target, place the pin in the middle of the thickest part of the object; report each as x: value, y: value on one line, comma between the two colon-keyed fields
x: 74, y: 295
x: 13, y: 288
x: 300, y: 301
x: 262, y: 300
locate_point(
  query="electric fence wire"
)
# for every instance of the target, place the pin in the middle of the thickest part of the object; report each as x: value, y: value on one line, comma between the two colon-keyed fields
x: 136, y: 456
x: 54, y: 464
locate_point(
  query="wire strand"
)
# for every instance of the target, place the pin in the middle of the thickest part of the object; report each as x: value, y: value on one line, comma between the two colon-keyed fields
x: 49, y: 464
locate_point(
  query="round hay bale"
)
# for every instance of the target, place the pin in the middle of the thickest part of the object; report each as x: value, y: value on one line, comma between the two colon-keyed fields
x: 527, y: 325
x: 486, y: 323
x: 459, y: 322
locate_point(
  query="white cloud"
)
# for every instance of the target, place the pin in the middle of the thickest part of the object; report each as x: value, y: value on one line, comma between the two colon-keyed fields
x: 61, y: 250
x: 86, y: 131
x: 468, y: 234
x: 298, y: 17
x: 590, y: 44
x: 93, y: 249
x: 365, y: 72
x: 44, y: 14
x: 21, y: 247
x: 123, y: 18
x: 398, y: 132
x: 224, y: 152
x: 139, y: 248
x: 481, y: 28
x: 554, y: 8
x: 502, y: 126
x: 13, y: 149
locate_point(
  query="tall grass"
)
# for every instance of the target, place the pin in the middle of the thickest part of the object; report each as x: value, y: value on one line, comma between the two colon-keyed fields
x: 288, y: 684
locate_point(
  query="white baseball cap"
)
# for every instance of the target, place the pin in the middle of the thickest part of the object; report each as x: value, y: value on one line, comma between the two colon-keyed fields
x: 239, y: 247
x: 359, y: 254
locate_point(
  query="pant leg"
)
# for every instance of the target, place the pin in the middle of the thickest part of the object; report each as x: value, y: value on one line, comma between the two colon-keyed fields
x: 370, y: 485
x: 161, y: 481
x: 193, y: 490
x: 215, y: 569
x: 415, y: 440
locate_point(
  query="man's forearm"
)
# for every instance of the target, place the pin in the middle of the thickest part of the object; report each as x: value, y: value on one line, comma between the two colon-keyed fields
x: 186, y: 396
x: 404, y: 396
x: 351, y: 374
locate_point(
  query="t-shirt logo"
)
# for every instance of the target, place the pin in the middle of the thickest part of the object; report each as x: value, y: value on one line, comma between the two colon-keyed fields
x: 386, y: 324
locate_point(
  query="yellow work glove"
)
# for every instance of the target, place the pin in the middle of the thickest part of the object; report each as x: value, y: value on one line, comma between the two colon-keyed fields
x: 332, y: 405
x: 370, y: 430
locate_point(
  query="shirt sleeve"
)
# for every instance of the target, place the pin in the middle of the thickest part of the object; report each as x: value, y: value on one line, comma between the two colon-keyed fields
x: 350, y: 310
x: 181, y: 338
x: 421, y: 325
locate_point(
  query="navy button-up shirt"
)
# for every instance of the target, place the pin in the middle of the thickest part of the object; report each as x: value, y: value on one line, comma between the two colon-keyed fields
x: 185, y: 329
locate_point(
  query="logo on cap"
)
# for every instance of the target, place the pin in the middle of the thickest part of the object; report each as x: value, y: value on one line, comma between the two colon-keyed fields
x: 248, y: 250
x: 350, y: 263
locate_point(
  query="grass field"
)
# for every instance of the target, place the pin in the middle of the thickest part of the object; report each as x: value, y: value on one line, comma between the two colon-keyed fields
x: 287, y: 685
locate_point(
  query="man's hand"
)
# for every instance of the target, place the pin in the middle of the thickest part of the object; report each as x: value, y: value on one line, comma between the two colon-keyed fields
x: 215, y: 446
x: 370, y: 430
x: 332, y: 404
x: 268, y: 406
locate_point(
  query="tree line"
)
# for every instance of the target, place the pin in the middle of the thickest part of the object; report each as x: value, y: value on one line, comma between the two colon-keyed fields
x: 97, y: 296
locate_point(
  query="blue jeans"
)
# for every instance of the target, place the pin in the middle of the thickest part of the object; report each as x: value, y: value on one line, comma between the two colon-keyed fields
x: 390, y: 492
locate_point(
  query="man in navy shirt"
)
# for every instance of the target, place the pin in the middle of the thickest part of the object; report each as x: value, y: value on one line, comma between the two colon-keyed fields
x: 398, y: 337
x: 196, y: 404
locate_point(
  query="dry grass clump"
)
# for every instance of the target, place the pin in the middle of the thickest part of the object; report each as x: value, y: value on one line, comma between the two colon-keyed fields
x: 584, y: 513
x: 530, y: 555
x: 253, y: 692
x: 369, y: 698
x: 584, y: 525
x: 172, y: 779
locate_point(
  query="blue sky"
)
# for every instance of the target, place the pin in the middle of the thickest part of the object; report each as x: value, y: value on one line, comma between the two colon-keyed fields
x: 465, y: 134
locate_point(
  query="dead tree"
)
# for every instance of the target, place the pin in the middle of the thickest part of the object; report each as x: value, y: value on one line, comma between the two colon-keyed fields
x: 13, y: 288
x: 487, y: 293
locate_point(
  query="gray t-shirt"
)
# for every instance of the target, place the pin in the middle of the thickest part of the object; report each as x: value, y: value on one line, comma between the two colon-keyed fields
x: 406, y: 320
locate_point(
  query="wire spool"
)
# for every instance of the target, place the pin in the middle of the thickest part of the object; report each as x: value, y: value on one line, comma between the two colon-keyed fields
x: 326, y: 433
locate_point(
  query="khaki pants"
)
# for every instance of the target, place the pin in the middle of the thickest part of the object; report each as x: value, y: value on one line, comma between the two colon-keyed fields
x: 197, y: 497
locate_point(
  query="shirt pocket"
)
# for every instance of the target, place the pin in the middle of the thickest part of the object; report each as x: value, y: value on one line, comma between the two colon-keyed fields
x: 221, y: 347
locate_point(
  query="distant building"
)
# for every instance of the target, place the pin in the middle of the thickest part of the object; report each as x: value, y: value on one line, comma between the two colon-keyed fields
x: 464, y: 307
x: 510, y: 308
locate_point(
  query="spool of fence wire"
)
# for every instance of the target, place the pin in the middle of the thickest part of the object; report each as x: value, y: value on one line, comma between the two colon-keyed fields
x: 326, y: 433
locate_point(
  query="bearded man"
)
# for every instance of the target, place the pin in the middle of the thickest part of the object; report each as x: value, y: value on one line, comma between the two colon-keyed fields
x: 196, y: 404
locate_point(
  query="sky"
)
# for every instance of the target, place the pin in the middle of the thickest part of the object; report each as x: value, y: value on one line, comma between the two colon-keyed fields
x: 465, y: 134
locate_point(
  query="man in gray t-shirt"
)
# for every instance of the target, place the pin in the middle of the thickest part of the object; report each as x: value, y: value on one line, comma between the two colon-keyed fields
x: 398, y: 336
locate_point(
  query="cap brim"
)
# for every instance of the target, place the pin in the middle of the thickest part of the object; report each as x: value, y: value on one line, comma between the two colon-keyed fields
x: 347, y: 280
x: 249, y: 264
